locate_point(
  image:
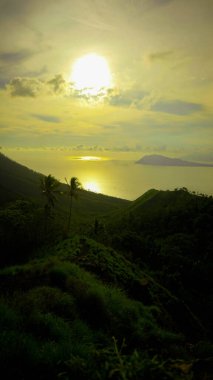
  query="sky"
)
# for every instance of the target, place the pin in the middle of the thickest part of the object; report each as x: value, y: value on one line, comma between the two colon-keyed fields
x: 160, y: 56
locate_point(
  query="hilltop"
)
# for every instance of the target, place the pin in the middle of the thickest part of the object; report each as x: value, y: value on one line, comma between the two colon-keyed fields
x: 156, y: 159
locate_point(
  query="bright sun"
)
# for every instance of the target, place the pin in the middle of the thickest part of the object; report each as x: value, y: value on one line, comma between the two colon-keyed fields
x: 91, y: 75
x: 92, y: 186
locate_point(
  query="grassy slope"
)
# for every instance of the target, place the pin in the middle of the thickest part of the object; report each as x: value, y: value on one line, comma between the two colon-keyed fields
x: 62, y: 311
x: 83, y: 311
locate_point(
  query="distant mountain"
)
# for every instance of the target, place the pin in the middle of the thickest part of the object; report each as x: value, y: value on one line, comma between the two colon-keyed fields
x: 18, y: 182
x: 156, y: 159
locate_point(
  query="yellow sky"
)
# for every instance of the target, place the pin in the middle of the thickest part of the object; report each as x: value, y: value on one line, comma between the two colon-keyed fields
x: 160, y: 57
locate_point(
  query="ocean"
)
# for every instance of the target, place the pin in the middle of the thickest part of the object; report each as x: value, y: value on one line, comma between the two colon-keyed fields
x: 117, y: 177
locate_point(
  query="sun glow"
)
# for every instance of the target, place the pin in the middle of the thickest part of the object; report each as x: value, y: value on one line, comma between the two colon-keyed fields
x: 90, y: 158
x: 92, y: 186
x: 91, y: 75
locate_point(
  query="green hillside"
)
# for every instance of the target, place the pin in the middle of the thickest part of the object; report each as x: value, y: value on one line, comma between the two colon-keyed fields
x: 125, y: 298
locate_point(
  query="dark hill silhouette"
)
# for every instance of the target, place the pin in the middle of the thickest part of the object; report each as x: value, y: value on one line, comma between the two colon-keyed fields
x: 159, y: 212
x: 159, y: 160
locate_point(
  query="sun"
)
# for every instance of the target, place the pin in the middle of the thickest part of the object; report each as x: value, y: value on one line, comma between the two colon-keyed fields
x: 91, y: 75
x: 92, y: 186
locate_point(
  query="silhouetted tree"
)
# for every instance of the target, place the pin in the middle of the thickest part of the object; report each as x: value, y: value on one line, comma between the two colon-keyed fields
x: 49, y: 187
x: 74, y: 185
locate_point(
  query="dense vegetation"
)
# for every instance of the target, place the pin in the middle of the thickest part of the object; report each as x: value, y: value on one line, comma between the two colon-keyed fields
x: 122, y: 295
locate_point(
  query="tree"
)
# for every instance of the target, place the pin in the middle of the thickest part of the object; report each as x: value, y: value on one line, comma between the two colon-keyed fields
x: 49, y: 187
x: 74, y: 185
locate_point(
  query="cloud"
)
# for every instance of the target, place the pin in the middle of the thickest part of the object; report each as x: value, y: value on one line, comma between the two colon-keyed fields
x: 117, y: 148
x: 160, y: 2
x: 128, y: 98
x: 32, y: 87
x: 177, y: 107
x: 21, y: 8
x: 58, y: 84
x: 151, y: 4
x: 15, y: 56
x: 160, y: 55
x: 47, y: 118
x: 110, y: 126
x: 25, y: 87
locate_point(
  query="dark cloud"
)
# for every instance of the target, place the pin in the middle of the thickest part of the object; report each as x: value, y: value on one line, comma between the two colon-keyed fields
x: 121, y: 100
x: 25, y: 87
x: 160, y: 56
x: 129, y: 98
x: 47, y: 118
x: 11, y: 64
x: 3, y: 80
x: 15, y: 56
x: 31, y: 87
x: 57, y: 84
x: 177, y: 107
x: 20, y: 8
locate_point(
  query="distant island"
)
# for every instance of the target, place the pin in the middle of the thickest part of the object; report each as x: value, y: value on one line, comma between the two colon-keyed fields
x: 156, y: 159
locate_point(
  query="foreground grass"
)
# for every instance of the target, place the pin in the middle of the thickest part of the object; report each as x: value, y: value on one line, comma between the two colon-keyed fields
x: 69, y: 315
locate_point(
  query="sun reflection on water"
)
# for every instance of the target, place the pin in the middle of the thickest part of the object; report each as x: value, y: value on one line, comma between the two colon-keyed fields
x: 92, y: 186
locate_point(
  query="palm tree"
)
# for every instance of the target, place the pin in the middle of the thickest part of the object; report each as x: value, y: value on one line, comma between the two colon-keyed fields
x: 49, y: 187
x: 74, y: 186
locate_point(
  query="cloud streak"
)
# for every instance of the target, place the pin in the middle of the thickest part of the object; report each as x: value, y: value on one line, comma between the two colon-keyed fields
x: 160, y: 55
x: 15, y: 56
x: 128, y: 98
x: 47, y: 118
x: 177, y: 107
